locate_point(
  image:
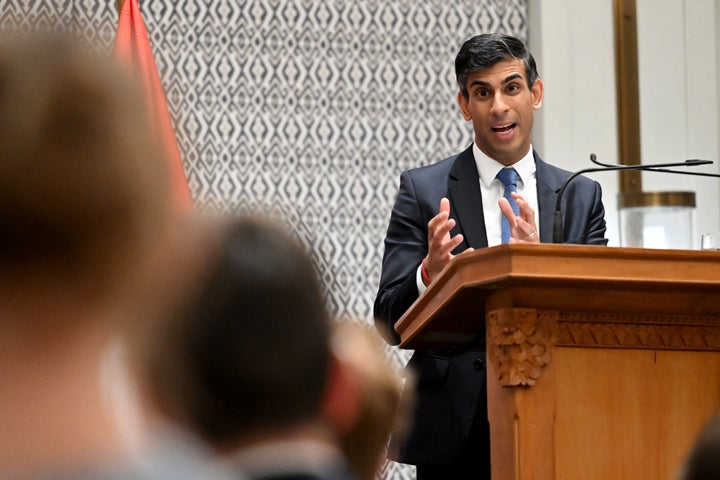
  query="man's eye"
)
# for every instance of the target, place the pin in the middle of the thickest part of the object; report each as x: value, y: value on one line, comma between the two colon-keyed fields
x: 482, y: 93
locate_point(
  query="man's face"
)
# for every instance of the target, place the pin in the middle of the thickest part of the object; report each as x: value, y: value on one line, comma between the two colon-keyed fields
x: 501, y: 105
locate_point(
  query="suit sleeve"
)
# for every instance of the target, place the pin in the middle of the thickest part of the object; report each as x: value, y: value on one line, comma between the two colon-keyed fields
x: 585, y: 214
x: 596, y: 224
x: 405, y: 247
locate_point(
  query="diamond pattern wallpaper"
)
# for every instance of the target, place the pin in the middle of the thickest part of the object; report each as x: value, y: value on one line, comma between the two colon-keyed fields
x: 304, y: 110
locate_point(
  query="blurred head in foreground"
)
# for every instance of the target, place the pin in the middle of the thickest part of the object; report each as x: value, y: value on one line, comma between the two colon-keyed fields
x: 253, y: 343
x: 256, y: 368
x: 703, y: 462
x: 378, y: 384
x: 89, y: 249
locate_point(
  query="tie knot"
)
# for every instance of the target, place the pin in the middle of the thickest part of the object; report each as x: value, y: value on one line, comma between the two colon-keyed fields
x: 508, y: 176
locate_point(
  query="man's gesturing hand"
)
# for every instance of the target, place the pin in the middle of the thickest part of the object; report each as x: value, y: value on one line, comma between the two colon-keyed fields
x: 522, y: 227
x: 440, y: 243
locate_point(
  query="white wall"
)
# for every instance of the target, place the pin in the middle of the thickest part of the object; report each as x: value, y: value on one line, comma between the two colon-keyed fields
x: 679, y: 97
x: 679, y: 84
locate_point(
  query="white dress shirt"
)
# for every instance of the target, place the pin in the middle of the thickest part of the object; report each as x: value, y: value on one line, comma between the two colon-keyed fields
x: 492, y: 189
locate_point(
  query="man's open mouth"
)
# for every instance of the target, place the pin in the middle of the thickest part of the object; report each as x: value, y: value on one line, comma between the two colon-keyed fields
x: 504, y: 129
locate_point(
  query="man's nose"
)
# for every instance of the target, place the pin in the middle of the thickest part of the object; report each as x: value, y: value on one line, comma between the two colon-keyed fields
x: 499, y: 104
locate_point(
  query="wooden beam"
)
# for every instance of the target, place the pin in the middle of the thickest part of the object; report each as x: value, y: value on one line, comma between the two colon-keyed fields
x: 628, y: 97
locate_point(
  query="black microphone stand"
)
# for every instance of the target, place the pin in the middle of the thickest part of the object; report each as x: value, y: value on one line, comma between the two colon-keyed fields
x: 604, y: 167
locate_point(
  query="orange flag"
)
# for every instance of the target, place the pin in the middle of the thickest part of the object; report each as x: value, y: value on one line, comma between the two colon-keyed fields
x: 132, y: 46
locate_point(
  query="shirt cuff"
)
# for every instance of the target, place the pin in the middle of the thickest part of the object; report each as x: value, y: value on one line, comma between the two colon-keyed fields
x: 418, y: 279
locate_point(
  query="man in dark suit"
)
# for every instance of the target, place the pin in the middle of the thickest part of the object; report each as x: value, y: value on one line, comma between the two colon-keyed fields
x: 459, y: 204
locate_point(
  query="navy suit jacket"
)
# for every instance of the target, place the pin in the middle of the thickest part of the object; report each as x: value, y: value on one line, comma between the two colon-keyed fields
x: 450, y: 384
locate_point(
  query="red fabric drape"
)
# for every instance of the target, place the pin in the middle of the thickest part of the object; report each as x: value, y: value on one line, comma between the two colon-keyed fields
x: 132, y: 46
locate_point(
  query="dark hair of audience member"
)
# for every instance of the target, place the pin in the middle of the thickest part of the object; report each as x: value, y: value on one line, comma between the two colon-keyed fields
x: 254, y: 340
x: 703, y: 462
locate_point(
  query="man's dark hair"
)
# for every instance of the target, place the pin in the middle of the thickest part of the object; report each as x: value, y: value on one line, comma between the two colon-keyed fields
x: 485, y: 50
x: 250, y: 353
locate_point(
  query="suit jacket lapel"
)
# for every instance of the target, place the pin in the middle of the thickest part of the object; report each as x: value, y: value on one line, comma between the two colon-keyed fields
x: 466, y: 200
x: 547, y: 186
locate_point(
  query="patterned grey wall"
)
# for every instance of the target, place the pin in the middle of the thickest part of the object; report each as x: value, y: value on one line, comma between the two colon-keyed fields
x: 307, y: 110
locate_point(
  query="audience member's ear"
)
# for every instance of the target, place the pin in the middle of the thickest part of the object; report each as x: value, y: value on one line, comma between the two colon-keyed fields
x: 343, y: 395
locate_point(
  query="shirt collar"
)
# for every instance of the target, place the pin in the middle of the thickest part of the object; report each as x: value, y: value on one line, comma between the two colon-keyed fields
x: 489, y: 168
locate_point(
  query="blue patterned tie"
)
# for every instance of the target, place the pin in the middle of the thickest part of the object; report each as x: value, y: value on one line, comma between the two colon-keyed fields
x: 508, y: 177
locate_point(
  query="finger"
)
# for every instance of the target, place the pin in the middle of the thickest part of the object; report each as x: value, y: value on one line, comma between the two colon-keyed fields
x: 507, y: 211
x: 442, y: 215
x: 525, y: 232
x: 441, y: 247
x: 440, y: 233
x: 521, y: 229
x: 439, y: 257
x: 445, y: 227
x: 440, y: 244
x: 526, y: 211
x: 436, y: 232
x: 527, y: 214
x: 436, y: 221
x: 445, y: 250
x: 445, y: 205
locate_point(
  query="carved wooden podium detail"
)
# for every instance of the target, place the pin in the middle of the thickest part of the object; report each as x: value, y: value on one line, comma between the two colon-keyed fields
x: 520, y: 343
x: 624, y: 330
x: 603, y: 362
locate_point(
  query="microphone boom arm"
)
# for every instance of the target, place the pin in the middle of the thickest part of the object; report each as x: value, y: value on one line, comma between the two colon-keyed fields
x: 605, y: 167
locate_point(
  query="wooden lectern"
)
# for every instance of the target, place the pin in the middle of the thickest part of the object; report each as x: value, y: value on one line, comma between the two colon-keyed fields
x: 603, y: 362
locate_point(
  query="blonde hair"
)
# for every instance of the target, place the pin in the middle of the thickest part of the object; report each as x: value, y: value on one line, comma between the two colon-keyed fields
x: 381, y: 411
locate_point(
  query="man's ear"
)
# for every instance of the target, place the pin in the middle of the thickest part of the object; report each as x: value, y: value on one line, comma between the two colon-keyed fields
x: 463, y: 104
x: 538, y: 91
x: 343, y: 396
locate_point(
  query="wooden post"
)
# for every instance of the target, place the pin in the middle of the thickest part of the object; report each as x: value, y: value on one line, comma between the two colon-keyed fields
x: 628, y: 97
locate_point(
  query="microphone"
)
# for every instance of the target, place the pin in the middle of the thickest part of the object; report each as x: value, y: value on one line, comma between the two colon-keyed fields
x: 605, y: 167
